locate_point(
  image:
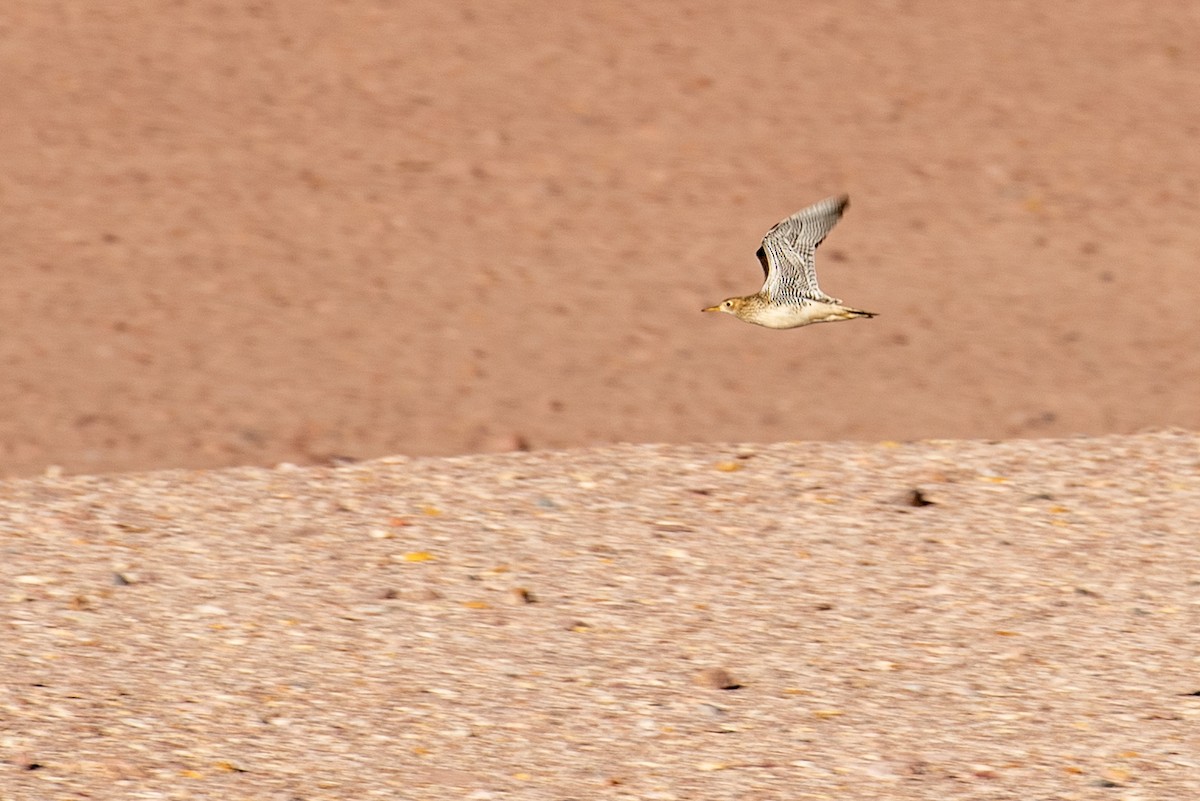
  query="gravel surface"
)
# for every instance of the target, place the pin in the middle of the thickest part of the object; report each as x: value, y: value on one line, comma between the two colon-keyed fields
x: 932, y: 620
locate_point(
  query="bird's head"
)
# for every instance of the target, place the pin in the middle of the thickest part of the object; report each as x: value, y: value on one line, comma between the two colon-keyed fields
x: 729, y: 306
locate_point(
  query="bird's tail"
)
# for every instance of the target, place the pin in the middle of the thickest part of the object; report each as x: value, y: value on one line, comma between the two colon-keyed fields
x: 848, y: 313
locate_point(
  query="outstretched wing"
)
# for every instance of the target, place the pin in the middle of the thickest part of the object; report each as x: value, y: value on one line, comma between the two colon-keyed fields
x: 788, y: 251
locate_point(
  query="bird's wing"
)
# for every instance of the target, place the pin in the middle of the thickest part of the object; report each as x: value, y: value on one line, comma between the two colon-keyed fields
x: 788, y: 251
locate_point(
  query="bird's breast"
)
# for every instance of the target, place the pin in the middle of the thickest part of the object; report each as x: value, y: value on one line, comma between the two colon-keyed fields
x: 792, y: 315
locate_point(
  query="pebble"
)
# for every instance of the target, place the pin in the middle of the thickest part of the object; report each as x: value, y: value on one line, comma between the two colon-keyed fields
x: 715, y: 678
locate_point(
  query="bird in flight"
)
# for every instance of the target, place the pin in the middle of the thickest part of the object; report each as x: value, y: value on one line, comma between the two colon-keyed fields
x: 790, y: 297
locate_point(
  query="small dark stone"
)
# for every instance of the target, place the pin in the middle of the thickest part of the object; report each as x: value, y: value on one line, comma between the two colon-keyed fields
x: 915, y: 497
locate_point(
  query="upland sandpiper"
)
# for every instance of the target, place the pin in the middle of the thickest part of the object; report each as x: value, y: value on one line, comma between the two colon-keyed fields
x: 790, y: 297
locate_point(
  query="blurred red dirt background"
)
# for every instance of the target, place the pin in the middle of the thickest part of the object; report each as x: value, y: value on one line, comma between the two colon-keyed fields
x: 258, y: 232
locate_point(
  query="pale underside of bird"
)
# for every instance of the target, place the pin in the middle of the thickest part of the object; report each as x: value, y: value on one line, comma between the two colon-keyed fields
x: 790, y: 297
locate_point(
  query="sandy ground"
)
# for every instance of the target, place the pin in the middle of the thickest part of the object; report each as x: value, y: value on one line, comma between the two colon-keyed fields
x: 556, y: 625
x: 242, y: 233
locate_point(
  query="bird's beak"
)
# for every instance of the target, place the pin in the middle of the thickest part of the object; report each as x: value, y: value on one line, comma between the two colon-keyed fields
x: 712, y: 308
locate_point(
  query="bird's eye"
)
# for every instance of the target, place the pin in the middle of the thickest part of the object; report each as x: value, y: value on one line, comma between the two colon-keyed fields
x: 728, y: 304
